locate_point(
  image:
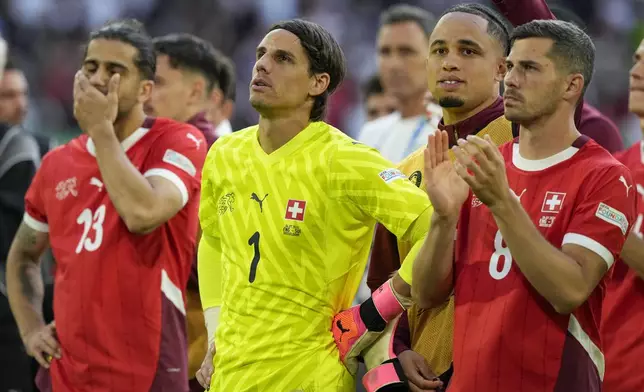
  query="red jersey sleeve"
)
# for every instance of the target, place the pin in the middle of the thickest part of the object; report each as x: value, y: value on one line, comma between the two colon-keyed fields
x: 178, y: 156
x: 604, y: 214
x: 35, y: 215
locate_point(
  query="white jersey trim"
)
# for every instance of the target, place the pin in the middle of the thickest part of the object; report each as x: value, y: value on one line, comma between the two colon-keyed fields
x: 35, y: 224
x: 172, y: 292
x: 590, y: 244
x: 173, y: 178
x: 533, y: 165
x: 589, y: 346
x: 125, y: 144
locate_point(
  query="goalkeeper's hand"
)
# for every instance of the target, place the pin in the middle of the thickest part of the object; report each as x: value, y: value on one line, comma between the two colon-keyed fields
x: 204, y: 374
x: 357, y: 328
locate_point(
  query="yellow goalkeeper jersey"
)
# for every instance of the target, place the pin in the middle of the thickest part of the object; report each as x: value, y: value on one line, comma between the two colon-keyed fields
x: 289, y: 233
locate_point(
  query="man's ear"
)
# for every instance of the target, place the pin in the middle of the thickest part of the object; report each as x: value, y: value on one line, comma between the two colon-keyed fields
x: 198, y: 90
x: 319, y: 84
x: 501, y: 70
x: 216, y: 97
x: 574, y: 88
x: 145, y: 90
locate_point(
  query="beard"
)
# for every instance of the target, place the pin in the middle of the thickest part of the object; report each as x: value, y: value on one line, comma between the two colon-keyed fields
x: 450, y: 102
x: 530, y: 114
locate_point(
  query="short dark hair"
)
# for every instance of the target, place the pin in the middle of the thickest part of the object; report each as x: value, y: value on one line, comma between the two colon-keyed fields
x: 372, y: 87
x: 324, y: 54
x: 132, y: 32
x: 191, y: 53
x: 401, y: 13
x: 572, y: 50
x: 497, y: 26
x: 227, y: 77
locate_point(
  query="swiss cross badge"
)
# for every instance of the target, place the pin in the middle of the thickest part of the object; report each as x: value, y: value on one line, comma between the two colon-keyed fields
x: 552, y: 202
x: 295, y: 210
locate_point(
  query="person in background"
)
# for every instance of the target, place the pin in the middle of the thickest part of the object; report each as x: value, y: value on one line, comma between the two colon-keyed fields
x: 19, y: 160
x: 589, y: 120
x: 118, y: 206
x: 14, y: 102
x: 403, y: 46
x: 467, y: 88
x: 523, y: 235
x: 377, y: 103
x: 622, y: 318
x: 223, y: 97
x: 188, y: 72
x: 14, y: 92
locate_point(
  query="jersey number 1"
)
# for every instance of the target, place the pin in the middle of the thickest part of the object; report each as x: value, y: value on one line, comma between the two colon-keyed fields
x: 91, y: 221
x: 500, y: 252
x: 254, y: 242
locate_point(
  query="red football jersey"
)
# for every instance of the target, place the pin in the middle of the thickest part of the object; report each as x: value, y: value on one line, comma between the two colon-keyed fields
x: 119, y: 297
x: 507, y: 337
x: 622, y: 324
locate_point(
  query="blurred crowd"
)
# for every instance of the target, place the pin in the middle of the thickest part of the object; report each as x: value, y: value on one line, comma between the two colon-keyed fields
x: 46, y: 35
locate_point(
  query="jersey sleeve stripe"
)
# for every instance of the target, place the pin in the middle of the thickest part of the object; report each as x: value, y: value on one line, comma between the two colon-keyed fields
x: 589, y: 346
x: 591, y: 244
x: 172, y: 292
x: 173, y: 178
x: 35, y: 224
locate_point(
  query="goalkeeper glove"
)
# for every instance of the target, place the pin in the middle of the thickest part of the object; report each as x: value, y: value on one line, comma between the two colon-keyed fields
x: 357, y: 328
x: 385, y: 373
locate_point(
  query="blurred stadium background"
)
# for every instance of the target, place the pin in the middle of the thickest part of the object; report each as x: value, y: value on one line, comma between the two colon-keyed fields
x: 45, y: 38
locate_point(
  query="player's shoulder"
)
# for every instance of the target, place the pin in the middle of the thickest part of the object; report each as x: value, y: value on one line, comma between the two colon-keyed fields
x: 413, y: 163
x: 244, y: 135
x: 170, y: 128
x: 231, y: 143
x: 596, y: 161
x: 631, y: 156
x: 341, y: 143
x: 72, y: 149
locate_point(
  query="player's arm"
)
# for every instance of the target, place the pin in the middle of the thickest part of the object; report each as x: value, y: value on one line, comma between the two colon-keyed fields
x: 370, y: 188
x: 595, y: 235
x: 519, y: 12
x: 433, y: 269
x: 633, y: 253
x: 146, y: 201
x: 210, y: 281
x: 566, y: 277
x: 24, y: 280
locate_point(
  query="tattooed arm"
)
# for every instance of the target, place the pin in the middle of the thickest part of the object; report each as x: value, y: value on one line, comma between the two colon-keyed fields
x: 25, y: 290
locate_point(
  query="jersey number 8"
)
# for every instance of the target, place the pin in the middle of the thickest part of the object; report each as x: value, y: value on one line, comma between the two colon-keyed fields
x: 500, y: 252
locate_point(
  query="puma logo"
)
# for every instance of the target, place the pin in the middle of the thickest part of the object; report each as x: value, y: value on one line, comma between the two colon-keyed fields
x: 97, y: 183
x: 254, y: 196
x: 341, y: 328
x: 623, y: 181
x: 194, y: 139
x: 519, y: 196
